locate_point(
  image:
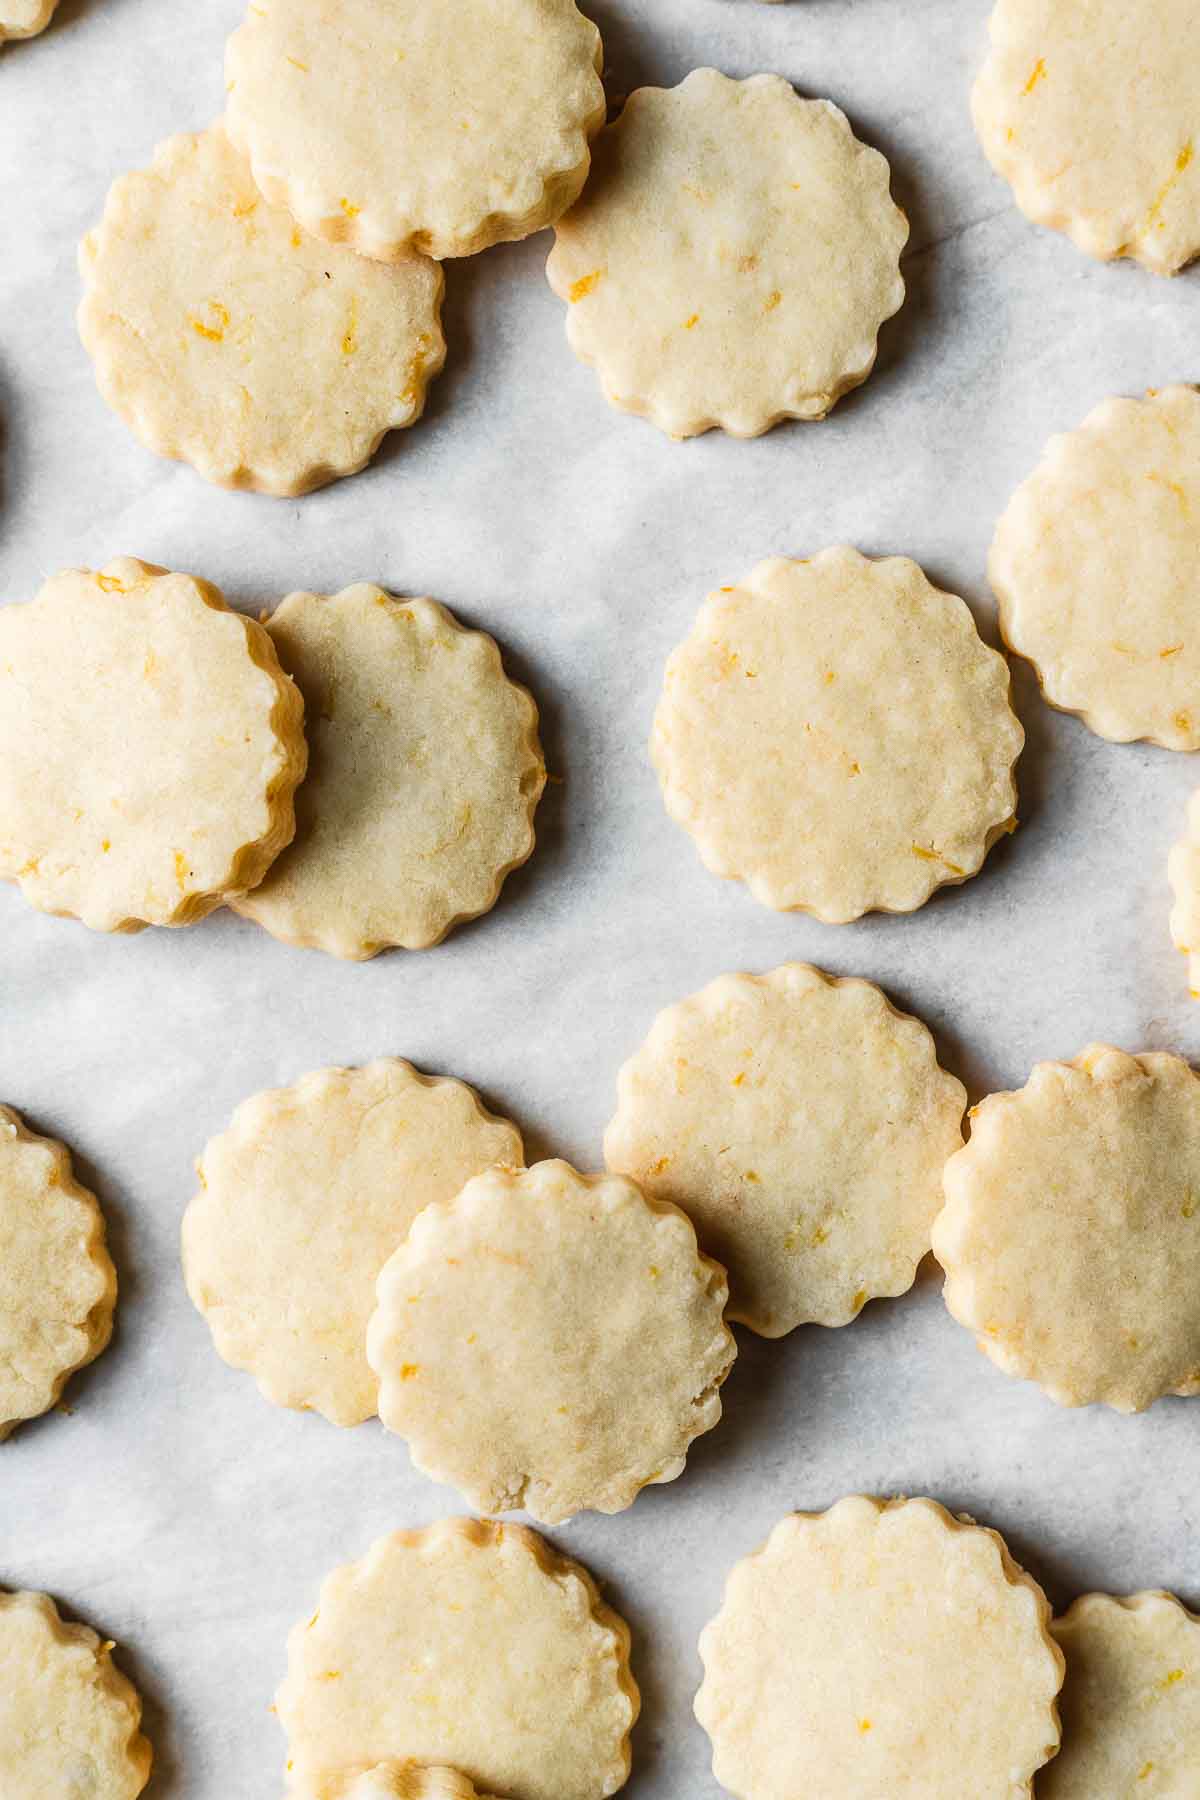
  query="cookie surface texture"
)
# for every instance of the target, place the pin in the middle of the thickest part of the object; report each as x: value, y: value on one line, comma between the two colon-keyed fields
x: 1183, y: 868
x: 24, y: 18
x: 411, y: 1781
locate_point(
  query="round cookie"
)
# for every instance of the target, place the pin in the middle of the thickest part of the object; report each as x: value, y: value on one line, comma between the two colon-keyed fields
x: 802, y: 1123
x: 392, y: 125
x: 425, y: 772
x: 1095, y: 566
x: 1089, y: 112
x: 468, y: 1643
x: 303, y: 1199
x: 732, y: 257
x: 24, y: 18
x: 550, y: 1341
x: 880, y: 1649
x: 1071, y: 1232
x: 1183, y: 869
x: 150, y: 746
x: 226, y: 338
x: 836, y: 734
x: 411, y: 1781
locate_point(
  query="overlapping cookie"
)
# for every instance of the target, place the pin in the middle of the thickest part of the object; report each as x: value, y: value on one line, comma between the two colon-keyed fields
x: 1183, y: 869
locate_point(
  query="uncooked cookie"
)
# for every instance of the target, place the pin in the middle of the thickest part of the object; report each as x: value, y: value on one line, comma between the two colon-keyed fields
x: 470, y: 1644
x: 411, y: 1781
x: 835, y: 734
x: 397, y: 124
x: 424, y: 776
x: 1096, y: 565
x: 68, y: 1719
x: 228, y: 339
x: 24, y: 18
x: 550, y: 1341
x: 801, y: 1123
x: 1183, y: 869
x: 1071, y: 1232
x: 732, y: 258
x: 1090, y: 112
x: 881, y: 1650
x: 303, y: 1199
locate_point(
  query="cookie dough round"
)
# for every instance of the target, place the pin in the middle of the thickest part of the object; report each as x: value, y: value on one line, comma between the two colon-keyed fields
x: 1096, y: 564
x: 68, y: 1719
x: 802, y: 1123
x: 880, y: 1649
x: 303, y: 1199
x: 392, y: 125
x: 150, y: 746
x: 24, y: 18
x: 411, y: 1781
x: 836, y: 734
x: 226, y: 338
x: 1071, y: 1232
x: 424, y: 776
x: 471, y: 1644
x: 1183, y: 869
x: 1088, y: 108
x: 550, y: 1341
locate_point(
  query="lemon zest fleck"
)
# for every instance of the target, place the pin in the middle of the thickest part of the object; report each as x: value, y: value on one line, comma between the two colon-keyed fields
x: 579, y: 290
x: 1038, y: 74
x: 214, y: 333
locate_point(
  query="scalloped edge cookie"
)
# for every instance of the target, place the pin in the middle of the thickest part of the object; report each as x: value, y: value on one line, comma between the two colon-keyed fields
x: 39, y: 15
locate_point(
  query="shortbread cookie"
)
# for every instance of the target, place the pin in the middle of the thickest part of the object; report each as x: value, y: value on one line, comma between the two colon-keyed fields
x: 303, y: 1199
x: 802, y: 1124
x: 390, y: 125
x: 225, y: 337
x: 550, y: 1341
x: 732, y: 258
x: 68, y: 1719
x: 150, y: 746
x: 425, y: 774
x: 470, y: 1644
x: 1096, y: 565
x: 411, y: 1781
x: 835, y: 734
x: 882, y: 1650
x: 1183, y: 868
x: 1071, y: 1232
x: 1089, y: 111
x: 24, y: 18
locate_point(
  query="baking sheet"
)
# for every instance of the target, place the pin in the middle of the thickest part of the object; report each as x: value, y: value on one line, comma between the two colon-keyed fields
x: 173, y: 1507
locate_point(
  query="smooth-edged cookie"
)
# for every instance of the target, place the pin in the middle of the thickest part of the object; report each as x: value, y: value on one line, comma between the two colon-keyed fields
x: 24, y: 18
x: 836, y: 734
x: 150, y: 746
x: 424, y: 775
x: 1089, y: 110
x: 302, y: 1200
x: 732, y: 257
x: 1096, y: 564
x: 394, y: 125
x: 1071, y: 1232
x: 802, y: 1124
x: 469, y: 1644
x: 884, y: 1650
x: 227, y: 338
x: 411, y: 1781
x: 550, y: 1341
x: 69, y: 1721
x: 1183, y: 870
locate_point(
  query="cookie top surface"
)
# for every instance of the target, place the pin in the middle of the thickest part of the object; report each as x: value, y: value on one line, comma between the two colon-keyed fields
x: 470, y: 1644
x: 226, y: 337
x: 836, y: 734
x: 732, y: 257
x: 1095, y: 565
x: 879, y: 1650
x: 24, y: 18
x: 302, y: 1201
x: 425, y: 772
x: 550, y: 1341
x: 397, y: 124
x: 802, y: 1124
x: 1071, y: 1232
x: 1089, y: 112
x: 1183, y: 869
x: 411, y: 1781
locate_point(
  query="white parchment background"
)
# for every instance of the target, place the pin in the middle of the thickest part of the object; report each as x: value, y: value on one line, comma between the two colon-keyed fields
x: 174, y: 1508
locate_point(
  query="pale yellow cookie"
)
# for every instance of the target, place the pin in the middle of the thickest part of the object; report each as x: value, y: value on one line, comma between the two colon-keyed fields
x: 150, y: 746
x: 303, y: 1199
x: 411, y: 1781
x: 1071, y: 1232
x: 836, y: 734
x: 1183, y: 869
x: 882, y: 1650
x: 732, y: 257
x: 1090, y: 110
x: 801, y: 1123
x: 24, y: 18
x: 227, y: 338
x: 424, y: 776
x: 390, y: 125
x: 470, y: 1644
x: 1096, y: 564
